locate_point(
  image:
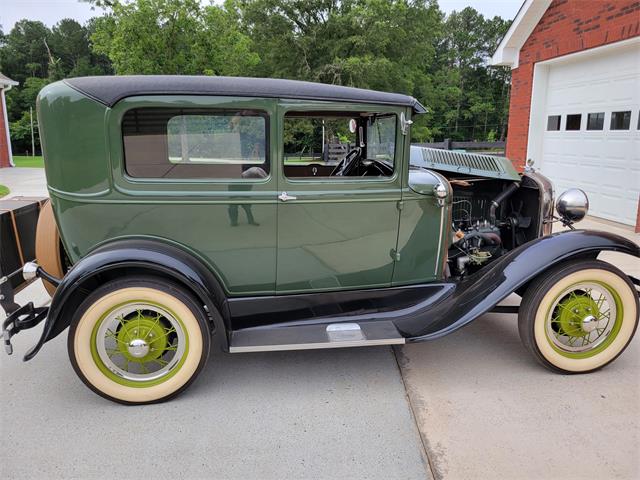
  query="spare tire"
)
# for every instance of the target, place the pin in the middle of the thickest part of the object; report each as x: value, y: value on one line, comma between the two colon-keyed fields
x: 49, y: 250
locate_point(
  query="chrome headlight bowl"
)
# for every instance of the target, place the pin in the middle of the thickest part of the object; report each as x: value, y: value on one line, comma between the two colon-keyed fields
x: 572, y: 205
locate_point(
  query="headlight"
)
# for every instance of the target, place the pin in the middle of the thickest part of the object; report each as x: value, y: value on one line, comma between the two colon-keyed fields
x: 572, y: 205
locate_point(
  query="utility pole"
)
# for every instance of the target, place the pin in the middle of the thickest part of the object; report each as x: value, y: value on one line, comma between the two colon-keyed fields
x: 33, y: 138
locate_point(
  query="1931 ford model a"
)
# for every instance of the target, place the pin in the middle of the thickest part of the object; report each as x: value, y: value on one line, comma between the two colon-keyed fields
x: 275, y: 215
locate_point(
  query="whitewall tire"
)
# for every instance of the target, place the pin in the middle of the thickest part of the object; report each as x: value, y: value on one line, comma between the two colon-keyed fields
x: 138, y: 340
x: 579, y: 316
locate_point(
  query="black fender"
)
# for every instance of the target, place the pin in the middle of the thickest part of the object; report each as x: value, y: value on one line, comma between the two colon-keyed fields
x: 133, y: 256
x: 480, y: 292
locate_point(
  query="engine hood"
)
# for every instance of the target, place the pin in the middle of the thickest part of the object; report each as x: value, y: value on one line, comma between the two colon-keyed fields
x: 487, y: 166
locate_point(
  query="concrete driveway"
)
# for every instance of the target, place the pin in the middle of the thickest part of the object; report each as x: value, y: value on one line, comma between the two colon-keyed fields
x: 487, y: 410
x: 471, y: 405
x: 339, y: 413
x: 28, y: 182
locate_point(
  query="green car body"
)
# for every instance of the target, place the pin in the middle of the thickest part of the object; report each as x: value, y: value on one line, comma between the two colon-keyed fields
x: 337, y: 235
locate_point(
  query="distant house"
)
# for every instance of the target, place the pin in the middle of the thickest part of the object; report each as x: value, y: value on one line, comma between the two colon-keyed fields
x: 575, y: 98
x: 6, y: 159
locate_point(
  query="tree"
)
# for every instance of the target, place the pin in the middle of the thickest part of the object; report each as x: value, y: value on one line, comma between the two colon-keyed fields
x: 405, y: 46
x: 21, y: 133
x: 70, y: 42
x: 172, y: 37
x: 365, y: 43
x: 24, y: 53
x: 20, y: 98
x: 478, y: 94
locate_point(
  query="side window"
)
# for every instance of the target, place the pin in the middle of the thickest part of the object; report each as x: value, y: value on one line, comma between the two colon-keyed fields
x: 620, y: 120
x: 553, y: 123
x: 328, y: 144
x: 595, y: 121
x: 195, y: 143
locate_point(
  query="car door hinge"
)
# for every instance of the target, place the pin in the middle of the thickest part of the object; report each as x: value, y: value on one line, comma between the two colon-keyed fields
x: 400, y: 205
x: 395, y: 255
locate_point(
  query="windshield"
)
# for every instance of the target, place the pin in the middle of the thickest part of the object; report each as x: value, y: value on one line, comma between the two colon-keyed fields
x: 381, y: 138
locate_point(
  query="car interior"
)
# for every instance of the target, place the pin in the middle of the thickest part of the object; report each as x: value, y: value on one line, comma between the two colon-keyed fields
x: 339, y: 144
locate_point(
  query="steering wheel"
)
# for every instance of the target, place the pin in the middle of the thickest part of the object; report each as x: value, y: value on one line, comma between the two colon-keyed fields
x: 347, y: 163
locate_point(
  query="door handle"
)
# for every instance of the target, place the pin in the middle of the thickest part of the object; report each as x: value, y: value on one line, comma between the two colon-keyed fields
x: 284, y: 196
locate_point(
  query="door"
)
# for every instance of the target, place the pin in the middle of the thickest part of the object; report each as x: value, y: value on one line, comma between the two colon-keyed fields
x: 591, y: 137
x: 337, y: 219
x: 194, y: 171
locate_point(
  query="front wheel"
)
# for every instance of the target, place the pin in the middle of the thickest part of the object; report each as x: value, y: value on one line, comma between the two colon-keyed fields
x: 578, y: 317
x: 138, y: 340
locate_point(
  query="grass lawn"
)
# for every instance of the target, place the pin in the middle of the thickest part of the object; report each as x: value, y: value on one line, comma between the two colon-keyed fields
x: 3, y: 191
x: 33, y: 162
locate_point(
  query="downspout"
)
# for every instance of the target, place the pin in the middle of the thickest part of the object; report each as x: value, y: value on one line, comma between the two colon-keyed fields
x: 6, y: 122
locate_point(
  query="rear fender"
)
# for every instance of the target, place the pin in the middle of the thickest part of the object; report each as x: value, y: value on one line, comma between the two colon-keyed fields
x: 123, y: 257
x: 479, y: 293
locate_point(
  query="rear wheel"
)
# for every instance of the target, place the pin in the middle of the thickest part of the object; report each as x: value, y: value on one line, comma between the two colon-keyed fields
x: 138, y: 340
x: 579, y: 316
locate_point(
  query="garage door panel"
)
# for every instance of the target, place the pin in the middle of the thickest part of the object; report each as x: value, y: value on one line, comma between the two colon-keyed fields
x: 604, y: 163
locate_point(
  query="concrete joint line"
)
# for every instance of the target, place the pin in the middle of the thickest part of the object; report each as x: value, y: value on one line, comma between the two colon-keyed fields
x: 414, y: 416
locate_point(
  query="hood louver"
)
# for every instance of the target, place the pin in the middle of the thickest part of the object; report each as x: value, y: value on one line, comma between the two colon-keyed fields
x: 462, y: 162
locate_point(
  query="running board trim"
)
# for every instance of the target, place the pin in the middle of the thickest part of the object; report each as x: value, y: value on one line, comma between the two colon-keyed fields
x: 307, y: 337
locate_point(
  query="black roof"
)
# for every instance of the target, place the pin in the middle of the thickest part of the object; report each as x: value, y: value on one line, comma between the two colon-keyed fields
x: 110, y: 89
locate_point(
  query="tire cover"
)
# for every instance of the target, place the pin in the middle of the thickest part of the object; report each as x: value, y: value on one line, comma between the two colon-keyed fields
x: 48, y: 248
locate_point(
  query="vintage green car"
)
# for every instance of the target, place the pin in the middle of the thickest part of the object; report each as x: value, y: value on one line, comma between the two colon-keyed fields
x: 273, y: 214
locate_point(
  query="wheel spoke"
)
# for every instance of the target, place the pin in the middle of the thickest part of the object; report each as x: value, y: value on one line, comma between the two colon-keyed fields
x: 158, y: 317
x: 112, y: 334
x: 112, y: 352
x: 143, y: 367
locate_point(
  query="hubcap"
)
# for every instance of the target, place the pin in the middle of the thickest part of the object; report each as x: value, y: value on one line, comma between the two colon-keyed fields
x: 140, y: 342
x: 590, y: 323
x: 138, y: 348
x: 582, y: 318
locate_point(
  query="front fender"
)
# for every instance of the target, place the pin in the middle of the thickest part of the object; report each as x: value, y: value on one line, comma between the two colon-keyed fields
x: 147, y: 256
x: 479, y: 293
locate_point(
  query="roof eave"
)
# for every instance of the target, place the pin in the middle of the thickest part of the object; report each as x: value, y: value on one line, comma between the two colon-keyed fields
x: 508, y: 52
x: 8, y: 82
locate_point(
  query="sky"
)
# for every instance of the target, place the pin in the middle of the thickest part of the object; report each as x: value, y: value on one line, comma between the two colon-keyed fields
x: 51, y: 11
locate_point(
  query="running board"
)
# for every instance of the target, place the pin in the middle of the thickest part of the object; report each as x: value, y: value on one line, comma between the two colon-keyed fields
x: 306, y: 337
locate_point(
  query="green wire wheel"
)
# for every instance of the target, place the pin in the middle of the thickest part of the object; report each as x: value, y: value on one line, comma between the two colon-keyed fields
x: 579, y: 316
x: 139, y: 340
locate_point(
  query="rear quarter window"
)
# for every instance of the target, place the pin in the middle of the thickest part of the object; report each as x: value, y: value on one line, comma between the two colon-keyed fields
x: 194, y: 143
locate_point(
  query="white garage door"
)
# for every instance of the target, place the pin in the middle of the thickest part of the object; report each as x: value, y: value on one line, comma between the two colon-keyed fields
x: 591, y: 136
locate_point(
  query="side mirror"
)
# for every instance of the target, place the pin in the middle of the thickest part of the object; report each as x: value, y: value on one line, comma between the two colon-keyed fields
x: 572, y: 205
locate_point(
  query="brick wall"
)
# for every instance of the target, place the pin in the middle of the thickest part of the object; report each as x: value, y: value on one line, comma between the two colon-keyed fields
x: 4, y: 148
x: 567, y: 26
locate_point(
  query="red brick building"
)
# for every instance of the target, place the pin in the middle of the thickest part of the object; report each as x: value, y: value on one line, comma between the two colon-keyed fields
x: 575, y: 98
x: 5, y: 142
